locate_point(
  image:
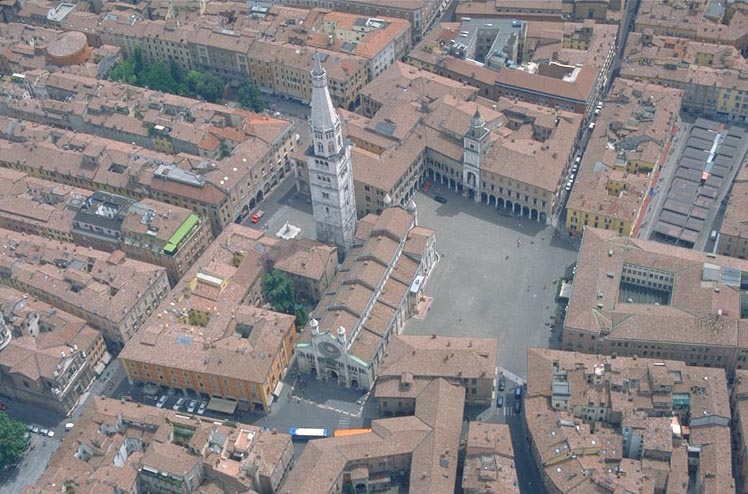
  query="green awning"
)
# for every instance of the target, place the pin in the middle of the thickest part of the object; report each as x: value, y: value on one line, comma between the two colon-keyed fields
x: 173, y: 243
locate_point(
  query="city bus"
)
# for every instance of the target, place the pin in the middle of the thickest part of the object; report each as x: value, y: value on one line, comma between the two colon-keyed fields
x: 305, y: 434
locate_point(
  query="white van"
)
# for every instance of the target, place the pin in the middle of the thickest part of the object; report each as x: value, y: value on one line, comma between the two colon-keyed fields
x: 713, y: 236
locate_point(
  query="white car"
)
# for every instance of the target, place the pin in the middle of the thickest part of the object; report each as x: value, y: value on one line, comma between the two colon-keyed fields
x: 203, y: 406
x: 161, y: 401
x: 178, y: 404
x: 69, y: 426
x: 191, y: 407
x: 50, y: 433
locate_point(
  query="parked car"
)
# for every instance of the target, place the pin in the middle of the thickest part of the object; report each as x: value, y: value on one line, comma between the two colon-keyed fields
x: 43, y: 432
x: 161, y: 401
x: 178, y: 404
x: 203, y: 406
x: 257, y: 216
x: 69, y: 426
x: 500, y: 401
x: 35, y: 429
x: 50, y: 433
x: 502, y: 383
x: 440, y: 199
x: 191, y: 406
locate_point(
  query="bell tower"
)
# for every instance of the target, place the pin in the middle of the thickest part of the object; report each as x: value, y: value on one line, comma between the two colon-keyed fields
x: 330, y: 174
x: 473, y: 149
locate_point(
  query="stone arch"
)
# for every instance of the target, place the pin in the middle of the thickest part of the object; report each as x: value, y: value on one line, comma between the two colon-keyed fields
x: 534, y: 214
x: 525, y: 211
x: 500, y: 202
x: 471, y: 180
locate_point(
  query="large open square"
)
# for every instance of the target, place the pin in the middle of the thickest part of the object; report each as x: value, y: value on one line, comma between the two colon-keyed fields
x: 496, y: 276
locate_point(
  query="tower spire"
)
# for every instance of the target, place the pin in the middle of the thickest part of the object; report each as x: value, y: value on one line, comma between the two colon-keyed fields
x: 323, y: 117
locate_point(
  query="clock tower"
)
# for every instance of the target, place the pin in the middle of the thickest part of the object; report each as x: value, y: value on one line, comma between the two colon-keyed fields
x: 330, y: 174
x: 473, y: 144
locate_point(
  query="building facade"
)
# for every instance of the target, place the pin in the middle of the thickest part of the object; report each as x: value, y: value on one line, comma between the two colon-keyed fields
x: 48, y: 358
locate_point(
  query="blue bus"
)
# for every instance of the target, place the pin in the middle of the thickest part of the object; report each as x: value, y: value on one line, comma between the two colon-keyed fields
x: 305, y: 434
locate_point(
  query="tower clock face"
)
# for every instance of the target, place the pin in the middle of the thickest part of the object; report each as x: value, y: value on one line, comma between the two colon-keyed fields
x: 329, y: 350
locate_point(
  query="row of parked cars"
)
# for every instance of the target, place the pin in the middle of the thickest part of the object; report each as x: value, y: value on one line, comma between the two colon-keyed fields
x: 191, y: 407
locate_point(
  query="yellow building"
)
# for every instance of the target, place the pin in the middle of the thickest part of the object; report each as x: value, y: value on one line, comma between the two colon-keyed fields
x: 208, y: 339
x: 617, y: 169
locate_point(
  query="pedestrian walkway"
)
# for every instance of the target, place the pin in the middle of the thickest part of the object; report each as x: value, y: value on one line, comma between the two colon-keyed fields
x: 512, y: 377
x: 325, y: 395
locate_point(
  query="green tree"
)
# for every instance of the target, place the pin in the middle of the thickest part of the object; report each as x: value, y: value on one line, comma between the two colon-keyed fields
x: 158, y: 77
x: 124, y: 72
x: 278, y: 290
x: 193, y: 79
x: 137, y: 60
x: 210, y: 87
x: 248, y: 96
x: 302, y: 315
x: 12, y: 441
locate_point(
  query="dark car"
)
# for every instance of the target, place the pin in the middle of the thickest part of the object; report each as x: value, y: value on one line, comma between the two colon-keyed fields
x: 502, y: 383
x: 500, y: 401
x: 517, y: 406
x: 440, y: 199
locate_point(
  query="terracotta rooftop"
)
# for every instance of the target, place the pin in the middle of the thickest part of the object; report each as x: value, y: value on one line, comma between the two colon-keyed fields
x: 430, y: 438
x: 704, y: 304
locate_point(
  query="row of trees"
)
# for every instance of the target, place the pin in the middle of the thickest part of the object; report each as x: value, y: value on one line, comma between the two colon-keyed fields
x: 279, y: 291
x: 170, y: 78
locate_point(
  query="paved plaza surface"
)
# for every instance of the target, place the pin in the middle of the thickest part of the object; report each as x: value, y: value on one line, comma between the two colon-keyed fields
x: 495, y: 277
x: 485, y: 283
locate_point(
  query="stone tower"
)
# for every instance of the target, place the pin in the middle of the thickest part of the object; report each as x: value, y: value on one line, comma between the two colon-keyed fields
x: 330, y: 174
x: 473, y: 149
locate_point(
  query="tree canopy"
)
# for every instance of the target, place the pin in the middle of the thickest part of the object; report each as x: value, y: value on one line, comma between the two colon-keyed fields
x: 171, y: 78
x: 12, y: 440
x: 248, y: 96
x: 205, y: 84
x: 279, y: 291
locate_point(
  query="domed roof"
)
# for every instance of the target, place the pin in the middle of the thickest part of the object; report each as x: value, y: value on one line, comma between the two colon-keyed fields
x: 67, y: 45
